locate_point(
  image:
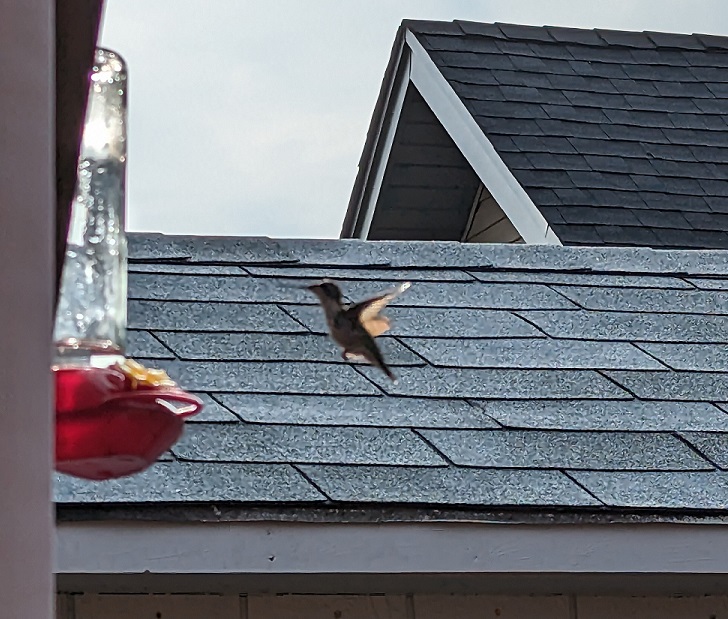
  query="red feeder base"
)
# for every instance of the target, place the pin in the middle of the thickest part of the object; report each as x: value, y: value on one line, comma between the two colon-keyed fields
x: 107, y: 429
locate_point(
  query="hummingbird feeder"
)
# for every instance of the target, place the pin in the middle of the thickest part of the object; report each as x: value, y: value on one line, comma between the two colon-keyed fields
x: 114, y: 417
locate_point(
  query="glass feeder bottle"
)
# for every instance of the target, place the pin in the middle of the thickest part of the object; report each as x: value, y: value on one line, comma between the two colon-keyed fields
x: 90, y: 327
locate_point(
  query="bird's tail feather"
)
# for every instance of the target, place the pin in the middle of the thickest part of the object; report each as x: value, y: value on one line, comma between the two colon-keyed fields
x: 389, y: 373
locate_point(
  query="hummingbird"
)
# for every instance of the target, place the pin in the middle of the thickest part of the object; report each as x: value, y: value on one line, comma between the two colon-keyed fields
x: 354, y: 326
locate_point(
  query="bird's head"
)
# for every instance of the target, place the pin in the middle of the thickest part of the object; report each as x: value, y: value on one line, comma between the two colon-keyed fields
x: 326, y: 290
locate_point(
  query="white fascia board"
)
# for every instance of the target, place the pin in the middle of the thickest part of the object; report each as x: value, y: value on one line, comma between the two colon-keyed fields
x: 444, y: 548
x: 383, y: 147
x: 476, y: 148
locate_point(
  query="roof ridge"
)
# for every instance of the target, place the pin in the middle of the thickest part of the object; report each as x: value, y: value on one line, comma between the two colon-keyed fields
x: 567, y: 35
x: 360, y: 254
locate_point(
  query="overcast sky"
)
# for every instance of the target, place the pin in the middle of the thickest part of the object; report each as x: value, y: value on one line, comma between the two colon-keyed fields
x: 248, y: 118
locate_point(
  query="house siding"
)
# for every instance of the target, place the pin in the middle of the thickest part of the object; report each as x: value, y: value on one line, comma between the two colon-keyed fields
x: 163, y: 606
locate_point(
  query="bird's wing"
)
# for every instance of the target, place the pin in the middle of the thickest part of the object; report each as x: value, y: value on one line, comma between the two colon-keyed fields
x: 376, y: 326
x: 368, y: 312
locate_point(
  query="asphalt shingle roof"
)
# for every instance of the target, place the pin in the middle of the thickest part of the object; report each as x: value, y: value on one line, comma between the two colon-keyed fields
x: 531, y: 378
x: 619, y: 138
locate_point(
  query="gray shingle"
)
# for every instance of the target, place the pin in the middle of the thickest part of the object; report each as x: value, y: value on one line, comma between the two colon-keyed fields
x: 719, y: 204
x: 683, y: 204
x: 711, y: 41
x: 143, y: 345
x: 304, y: 444
x: 469, y: 60
x: 213, y: 412
x: 529, y: 33
x: 247, y: 250
x: 568, y: 128
x: 696, y: 240
x: 182, y: 316
x: 664, y: 104
x: 261, y: 377
x: 656, y: 218
x: 320, y: 252
x: 155, y: 246
x: 457, y: 43
x: 451, y: 486
x: 626, y: 39
x: 172, y: 268
x: 608, y: 148
x: 624, y: 326
x: 694, y: 357
x: 632, y: 86
x: 604, y: 163
x: 360, y: 411
x: 434, y: 322
x: 713, y: 445
x: 631, y: 300
x: 680, y: 41
x: 478, y: 28
x: 575, y: 35
x: 533, y: 144
x: 431, y: 27
x: 223, y: 288
x: 182, y: 482
x: 578, y: 235
x: 591, y: 99
x: 273, y: 347
x: 598, y: 69
x: 472, y: 295
x: 632, y: 235
x: 498, y: 384
x: 566, y: 450
x: 632, y: 415
x: 250, y: 250
x: 582, y: 279
x: 399, y: 255
x: 528, y: 353
x: 551, y: 161
x: 411, y: 275
x: 520, y: 78
x: 709, y: 284
x: 500, y: 109
x: 631, y: 260
x: 691, y: 90
x: 678, y: 386
x: 687, y: 490
x: 708, y: 221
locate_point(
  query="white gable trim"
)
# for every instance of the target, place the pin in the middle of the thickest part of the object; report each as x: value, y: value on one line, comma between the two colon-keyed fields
x: 270, y: 552
x: 385, y: 140
x: 476, y: 148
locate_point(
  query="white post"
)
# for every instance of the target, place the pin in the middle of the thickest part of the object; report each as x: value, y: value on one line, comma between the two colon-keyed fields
x: 27, y: 196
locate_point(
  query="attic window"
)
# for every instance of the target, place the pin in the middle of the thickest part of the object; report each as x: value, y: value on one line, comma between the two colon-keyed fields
x: 488, y: 223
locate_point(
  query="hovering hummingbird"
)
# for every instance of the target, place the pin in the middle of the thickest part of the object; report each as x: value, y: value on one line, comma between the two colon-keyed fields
x: 354, y: 326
